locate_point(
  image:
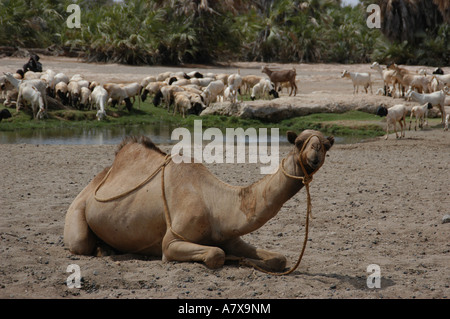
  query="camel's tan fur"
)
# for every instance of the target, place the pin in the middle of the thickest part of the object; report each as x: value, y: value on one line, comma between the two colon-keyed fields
x: 210, y: 214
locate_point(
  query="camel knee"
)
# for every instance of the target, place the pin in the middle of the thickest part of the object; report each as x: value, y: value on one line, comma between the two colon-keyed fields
x: 214, y: 258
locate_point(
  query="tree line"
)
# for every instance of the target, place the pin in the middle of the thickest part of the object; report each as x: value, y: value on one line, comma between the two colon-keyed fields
x: 206, y: 31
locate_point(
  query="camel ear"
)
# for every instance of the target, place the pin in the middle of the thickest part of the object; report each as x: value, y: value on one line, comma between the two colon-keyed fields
x: 329, y: 142
x: 291, y: 136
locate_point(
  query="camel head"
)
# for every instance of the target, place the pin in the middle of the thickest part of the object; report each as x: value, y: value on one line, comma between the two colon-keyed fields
x: 312, y: 154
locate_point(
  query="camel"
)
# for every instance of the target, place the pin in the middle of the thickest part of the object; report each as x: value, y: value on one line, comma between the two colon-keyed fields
x: 147, y: 204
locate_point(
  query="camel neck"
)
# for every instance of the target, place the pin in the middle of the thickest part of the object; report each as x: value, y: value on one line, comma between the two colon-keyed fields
x: 263, y: 199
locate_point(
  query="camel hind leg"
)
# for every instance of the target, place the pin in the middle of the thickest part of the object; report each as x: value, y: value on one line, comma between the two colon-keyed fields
x: 78, y: 237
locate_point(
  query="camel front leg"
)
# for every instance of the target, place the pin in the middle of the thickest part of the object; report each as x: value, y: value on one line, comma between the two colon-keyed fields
x: 252, y: 256
x: 175, y: 249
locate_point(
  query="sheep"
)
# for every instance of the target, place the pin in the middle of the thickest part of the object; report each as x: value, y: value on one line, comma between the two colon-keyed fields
x: 195, y: 74
x: 133, y: 90
x: 145, y: 81
x: 99, y: 98
x: 358, y: 79
x: 421, y: 114
x: 74, y: 93
x: 61, y: 92
x: 438, y: 71
x: 163, y: 76
x: 4, y: 114
x: 85, y: 93
x: 262, y: 88
x: 395, y: 114
x: 387, y: 76
x: 76, y: 77
x: 182, y: 103
x: 203, y: 82
x: 167, y: 94
x: 282, y: 76
x: 214, y: 90
x: 118, y: 94
x: 152, y: 88
x: 435, y: 98
x: 30, y: 94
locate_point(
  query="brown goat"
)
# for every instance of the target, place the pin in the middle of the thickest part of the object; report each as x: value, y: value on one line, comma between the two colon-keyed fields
x: 282, y: 76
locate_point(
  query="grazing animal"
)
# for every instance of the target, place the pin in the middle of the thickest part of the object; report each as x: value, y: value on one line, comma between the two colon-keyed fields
x: 204, y: 217
x: 280, y: 76
x: 99, y: 98
x: 363, y: 79
x: 435, y: 98
x: 395, y: 114
x: 30, y: 94
x: 4, y: 114
x: 421, y: 114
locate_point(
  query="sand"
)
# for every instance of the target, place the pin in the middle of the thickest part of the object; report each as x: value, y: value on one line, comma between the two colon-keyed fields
x: 374, y: 203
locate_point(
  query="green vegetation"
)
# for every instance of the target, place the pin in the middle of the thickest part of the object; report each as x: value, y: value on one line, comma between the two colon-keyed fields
x: 353, y: 123
x: 179, y: 31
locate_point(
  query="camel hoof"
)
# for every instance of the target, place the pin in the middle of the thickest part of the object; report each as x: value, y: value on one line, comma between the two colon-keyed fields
x: 215, y: 258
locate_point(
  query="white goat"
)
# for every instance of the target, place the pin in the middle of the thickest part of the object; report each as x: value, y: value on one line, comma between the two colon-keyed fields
x: 30, y: 94
x: 234, y: 84
x: 99, y: 97
x: 386, y: 75
x: 40, y: 85
x: 395, y: 114
x: 421, y: 114
x: 435, y: 98
x: 358, y: 79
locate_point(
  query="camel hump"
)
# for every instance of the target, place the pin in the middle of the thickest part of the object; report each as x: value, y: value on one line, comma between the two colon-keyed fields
x: 143, y: 140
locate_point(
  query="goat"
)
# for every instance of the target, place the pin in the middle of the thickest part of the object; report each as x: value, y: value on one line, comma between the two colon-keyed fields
x: 99, y: 98
x: 358, y: 79
x: 4, y: 114
x: 30, y: 94
x: 37, y: 83
x: 234, y: 84
x: 435, y: 98
x: 421, y: 114
x: 395, y: 114
x: 250, y: 81
x: 387, y: 76
x: 282, y: 76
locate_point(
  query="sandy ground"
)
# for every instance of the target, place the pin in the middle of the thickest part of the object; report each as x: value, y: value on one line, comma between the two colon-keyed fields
x: 379, y: 202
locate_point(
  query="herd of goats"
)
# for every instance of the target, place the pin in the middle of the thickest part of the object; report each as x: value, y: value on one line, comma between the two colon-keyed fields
x: 191, y: 93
